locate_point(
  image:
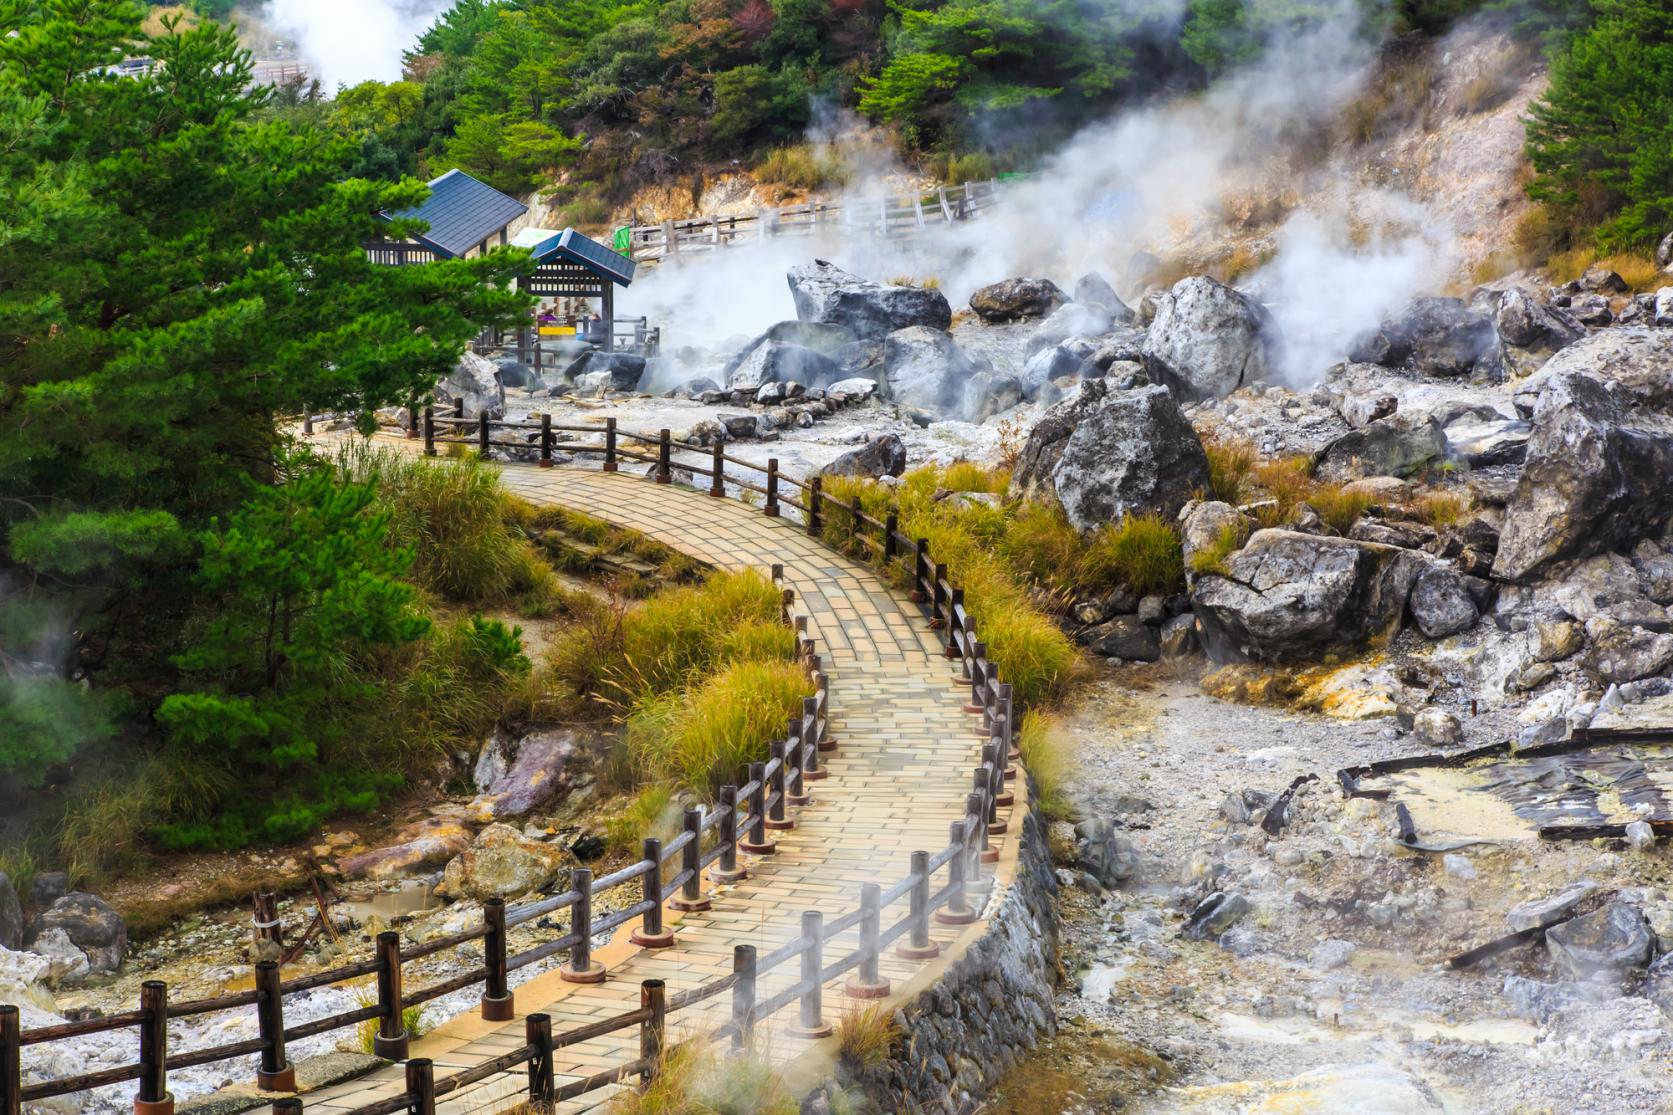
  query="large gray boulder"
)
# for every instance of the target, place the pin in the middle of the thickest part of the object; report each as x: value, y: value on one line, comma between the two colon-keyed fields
x: 881, y: 456
x: 1046, y: 365
x: 988, y: 393
x: 1595, y: 478
x: 1398, y: 445
x: 476, y: 381
x: 1208, y: 340
x: 92, y: 925
x: 1016, y: 298
x: 827, y: 294
x: 1638, y: 358
x: 1102, y: 455
x: 1288, y: 596
x: 925, y: 368
x: 1094, y: 290
x: 516, y: 774
x: 624, y: 369
x: 780, y: 362
x: 1532, y: 331
x: 1441, y: 603
x: 1436, y: 337
x: 1071, y: 320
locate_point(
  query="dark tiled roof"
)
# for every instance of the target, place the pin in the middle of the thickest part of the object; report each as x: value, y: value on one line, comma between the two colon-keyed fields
x: 596, y: 257
x: 463, y: 212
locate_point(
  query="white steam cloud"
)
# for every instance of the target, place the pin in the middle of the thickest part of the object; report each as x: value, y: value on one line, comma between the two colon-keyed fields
x: 1181, y: 179
x: 344, y: 42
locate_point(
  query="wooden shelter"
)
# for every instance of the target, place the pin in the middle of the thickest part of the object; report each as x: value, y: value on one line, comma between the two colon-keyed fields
x: 570, y: 265
x: 464, y: 216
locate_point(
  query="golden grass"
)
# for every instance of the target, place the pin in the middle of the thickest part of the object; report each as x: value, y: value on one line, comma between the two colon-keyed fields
x: 1211, y: 559
x: 1287, y: 481
x: 1046, y: 753
x: 1340, y: 507
x: 651, y: 812
x: 692, y: 1080
x: 1231, y: 460
x: 801, y: 167
x: 1441, y: 509
x: 865, y: 1035
x: 705, y: 738
x: 1638, y: 271
x: 1142, y: 552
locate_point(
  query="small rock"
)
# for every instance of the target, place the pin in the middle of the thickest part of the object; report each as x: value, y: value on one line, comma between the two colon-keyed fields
x: 1607, y: 944
x: 1438, y: 728
x: 1640, y: 835
x: 1215, y: 914
x: 1110, y: 858
x: 1556, y: 639
x: 1459, y: 867
x: 1331, y: 954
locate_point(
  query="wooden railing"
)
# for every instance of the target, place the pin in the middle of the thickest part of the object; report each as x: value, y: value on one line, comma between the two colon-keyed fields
x: 891, y: 217
x: 743, y: 821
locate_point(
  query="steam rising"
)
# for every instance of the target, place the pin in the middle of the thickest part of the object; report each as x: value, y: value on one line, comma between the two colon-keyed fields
x: 1180, y: 179
x: 345, y: 42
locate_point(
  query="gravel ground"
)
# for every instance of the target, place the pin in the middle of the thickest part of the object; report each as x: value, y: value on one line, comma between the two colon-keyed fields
x: 1330, y: 994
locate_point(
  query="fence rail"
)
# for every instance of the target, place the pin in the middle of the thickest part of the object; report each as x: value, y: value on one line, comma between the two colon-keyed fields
x: 891, y: 217
x: 743, y: 821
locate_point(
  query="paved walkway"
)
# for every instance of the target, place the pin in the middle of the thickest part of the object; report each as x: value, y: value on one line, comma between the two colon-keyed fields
x: 897, y: 780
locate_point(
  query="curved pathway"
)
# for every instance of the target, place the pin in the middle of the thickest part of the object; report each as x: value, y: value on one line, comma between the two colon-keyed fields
x: 897, y: 780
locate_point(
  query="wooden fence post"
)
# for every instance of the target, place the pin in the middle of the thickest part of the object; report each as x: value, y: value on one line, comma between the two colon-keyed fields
x: 308, y: 425
x: 1012, y: 752
x: 459, y: 407
x: 891, y: 527
x: 11, y: 1060
x: 545, y: 441
x: 814, y: 494
x: 651, y: 934
x: 810, y: 1022
x: 691, y: 864
x: 412, y: 420
x: 543, y: 1085
x: 482, y: 434
x: 609, y: 445
x: 993, y: 753
x: 938, y: 596
x: 954, y: 630
x: 771, y: 508
x: 653, y: 996
x: 498, y: 1000
x: 664, y: 449
x: 776, y: 818
x: 390, y: 1042
x: 917, y: 945
x: 743, y: 997
x: 717, y: 482
x: 756, y: 843
x: 821, y: 723
x: 288, y: 1105
x: 153, y: 1097
x: 582, y: 968
x: 421, y: 1086
x: 795, y: 790
x: 920, y: 570
x: 807, y: 735
x: 275, y: 1073
x: 726, y: 869
x: 429, y: 431
x: 957, y: 911
x: 978, y: 677
x: 868, y: 982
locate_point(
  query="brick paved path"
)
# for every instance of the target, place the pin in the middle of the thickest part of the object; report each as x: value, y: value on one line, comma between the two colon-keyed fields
x: 897, y: 780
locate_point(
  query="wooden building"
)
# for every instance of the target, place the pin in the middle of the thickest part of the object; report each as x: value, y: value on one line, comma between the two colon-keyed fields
x: 570, y: 265
x: 465, y: 217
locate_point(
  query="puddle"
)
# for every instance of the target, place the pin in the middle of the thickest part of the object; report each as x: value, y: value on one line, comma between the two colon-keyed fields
x: 413, y: 897
x: 1098, y: 982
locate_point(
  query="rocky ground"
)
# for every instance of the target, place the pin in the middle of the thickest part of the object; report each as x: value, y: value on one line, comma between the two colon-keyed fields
x: 1322, y: 986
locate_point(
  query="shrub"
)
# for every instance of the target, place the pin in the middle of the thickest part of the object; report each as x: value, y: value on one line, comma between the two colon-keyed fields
x: 719, y: 725
x: 1143, y: 552
x: 1340, y: 507
x: 652, y: 810
x: 865, y: 1035
x: 801, y: 167
x: 1033, y: 654
x: 692, y: 1081
x: 1042, y: 739
x: 1230, y: 461
x: 1211, y: 559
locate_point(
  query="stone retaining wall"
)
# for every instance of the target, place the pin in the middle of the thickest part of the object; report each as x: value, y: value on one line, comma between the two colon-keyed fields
x: 957, y: 1038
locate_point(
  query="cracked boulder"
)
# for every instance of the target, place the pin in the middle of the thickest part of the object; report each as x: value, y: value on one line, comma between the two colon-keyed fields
x: 514, y: 776
x: 1532, y: 331
x: 1287, y: 596
x: 1207, y: 340
x: 1594, y: 479
x: 1102, y: 455
x: 501, y: 863
x: 476, y: 381
x: 1398, y: 445
x: 780, y: 362
x: 826, y: 294
x: 1639, y: 359
x: 925, y: 369
x: 92, y: 925
x: 881, y: 456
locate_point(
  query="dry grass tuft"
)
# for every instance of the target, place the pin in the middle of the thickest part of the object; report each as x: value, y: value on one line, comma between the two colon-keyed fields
x: 1046, y: 753
x: 1340, y: 507
x: 1231, y: 460
x: 802, y: 167
x: 865, y: 1035
x: 1212, y: 559
x: 1441, y: 509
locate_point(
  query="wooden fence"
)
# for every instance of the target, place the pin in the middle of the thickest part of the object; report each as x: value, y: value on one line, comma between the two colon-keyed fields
x: 743, y: 821
x: 896, y: 217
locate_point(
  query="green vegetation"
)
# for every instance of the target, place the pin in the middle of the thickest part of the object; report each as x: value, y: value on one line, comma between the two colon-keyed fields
x: 1044, y: 744
x: 1601, y: 139
x: 181, y: 266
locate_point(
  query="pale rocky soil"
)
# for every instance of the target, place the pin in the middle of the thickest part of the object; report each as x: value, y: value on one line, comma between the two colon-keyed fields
x: 1338, y: 970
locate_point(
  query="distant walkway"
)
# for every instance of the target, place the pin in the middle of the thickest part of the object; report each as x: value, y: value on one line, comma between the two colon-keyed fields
x: 897, y: 780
